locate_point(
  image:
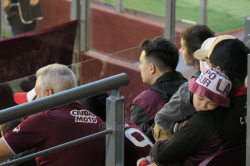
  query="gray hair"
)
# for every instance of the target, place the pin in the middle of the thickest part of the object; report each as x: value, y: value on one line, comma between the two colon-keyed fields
x: 57, y: 77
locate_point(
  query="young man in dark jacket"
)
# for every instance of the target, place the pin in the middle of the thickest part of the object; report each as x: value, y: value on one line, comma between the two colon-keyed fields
x: 209, y: 132
x: 159, y: 59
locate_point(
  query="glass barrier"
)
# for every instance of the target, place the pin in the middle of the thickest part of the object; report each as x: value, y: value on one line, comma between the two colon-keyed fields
x: 145, y: 19
x: 108, y: 37
x: 154, y: 7
x: 225, y: 18
x: 112, y: 32
x: 96, y: 66
x: 233, y: 27
x: 56, y: 12
x: 188, y: 11
x: 220, y: 17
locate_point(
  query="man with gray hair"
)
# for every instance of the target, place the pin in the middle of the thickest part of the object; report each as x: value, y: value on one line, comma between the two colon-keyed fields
x: 57, y: 126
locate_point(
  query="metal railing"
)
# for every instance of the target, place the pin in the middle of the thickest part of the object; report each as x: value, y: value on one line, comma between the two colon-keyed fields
x: 169, y: 30
x: 203, y: 12
x: 114, y: 109
x: 247, y: 25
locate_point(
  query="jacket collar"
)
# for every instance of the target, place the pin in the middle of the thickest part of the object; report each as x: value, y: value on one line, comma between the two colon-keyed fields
x: 169, y: 76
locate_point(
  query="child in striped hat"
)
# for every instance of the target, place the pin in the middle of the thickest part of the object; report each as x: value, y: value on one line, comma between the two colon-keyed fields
x: 204, y: 93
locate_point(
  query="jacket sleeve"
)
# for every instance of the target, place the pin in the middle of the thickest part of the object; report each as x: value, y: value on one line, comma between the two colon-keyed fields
x: 195, y: 135
x: 139, y: 117
x: 176, y: 110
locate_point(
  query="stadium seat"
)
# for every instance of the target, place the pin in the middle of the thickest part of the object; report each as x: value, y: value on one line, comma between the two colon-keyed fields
x: 229, y: 157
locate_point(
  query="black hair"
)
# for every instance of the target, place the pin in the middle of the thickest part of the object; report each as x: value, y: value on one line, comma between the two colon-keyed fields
x: 7, y: 96
x: 161, y: 52
x: 237, y: 78
x: 97, y: 105
x: 231, y: 56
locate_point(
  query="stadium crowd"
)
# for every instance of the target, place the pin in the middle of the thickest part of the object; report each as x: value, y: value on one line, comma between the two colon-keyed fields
x: 175, y: 121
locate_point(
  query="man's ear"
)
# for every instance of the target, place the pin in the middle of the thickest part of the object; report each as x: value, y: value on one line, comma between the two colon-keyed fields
x: 152, y: 68
x: 49, y: 92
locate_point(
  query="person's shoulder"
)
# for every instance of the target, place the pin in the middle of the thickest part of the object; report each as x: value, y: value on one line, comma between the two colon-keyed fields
x: 36, y: 118
x: 65, y: 108
x: 147, y: 95
x: 238, y: 92
x: 40, y: 115
x: 74, y: 105
x: 149, y: 98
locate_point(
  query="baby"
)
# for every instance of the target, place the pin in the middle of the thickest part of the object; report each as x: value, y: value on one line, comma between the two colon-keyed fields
x: 204, y: 93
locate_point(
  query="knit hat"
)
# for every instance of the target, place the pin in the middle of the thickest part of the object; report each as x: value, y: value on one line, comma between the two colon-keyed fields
x: 25, y: 97
x: 226, y: 51
x: 212, y: 84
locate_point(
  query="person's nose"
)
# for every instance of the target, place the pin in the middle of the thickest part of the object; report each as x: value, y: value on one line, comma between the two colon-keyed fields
x: 204, y: 105
x: 140, y: 67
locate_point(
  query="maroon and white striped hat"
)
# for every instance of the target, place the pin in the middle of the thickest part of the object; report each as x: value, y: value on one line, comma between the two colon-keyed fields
x: 212, y: 84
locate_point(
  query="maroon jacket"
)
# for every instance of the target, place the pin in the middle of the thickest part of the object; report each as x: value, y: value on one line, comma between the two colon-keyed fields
x: 149, y: 102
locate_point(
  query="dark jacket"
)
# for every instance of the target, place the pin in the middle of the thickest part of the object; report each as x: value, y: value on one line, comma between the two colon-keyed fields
x: 149, y: 102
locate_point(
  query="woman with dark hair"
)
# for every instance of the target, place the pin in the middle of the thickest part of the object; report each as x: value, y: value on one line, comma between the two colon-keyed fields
x: 191, y: 40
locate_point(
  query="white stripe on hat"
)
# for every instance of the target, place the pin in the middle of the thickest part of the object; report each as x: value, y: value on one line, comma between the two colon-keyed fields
x: 216, y: 81
x: 31, y: 94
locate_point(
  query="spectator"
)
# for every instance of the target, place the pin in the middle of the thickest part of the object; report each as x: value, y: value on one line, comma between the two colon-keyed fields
x: 204, y: 93
x: 4, y: 128
x: 6, y: 94
x: 22, y: 15
x: 208, y: 132
x: 137, y: 144
x: 191, y: 40
x: 159, y: 59
x: 56, y: 126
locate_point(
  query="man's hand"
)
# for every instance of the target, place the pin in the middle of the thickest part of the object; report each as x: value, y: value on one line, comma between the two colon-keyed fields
x: 6, y: 7
x: 184, y: 123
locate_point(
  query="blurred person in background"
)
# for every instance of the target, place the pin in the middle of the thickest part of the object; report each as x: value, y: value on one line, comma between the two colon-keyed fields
x: 191, y: 40
x: 22, y: 15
